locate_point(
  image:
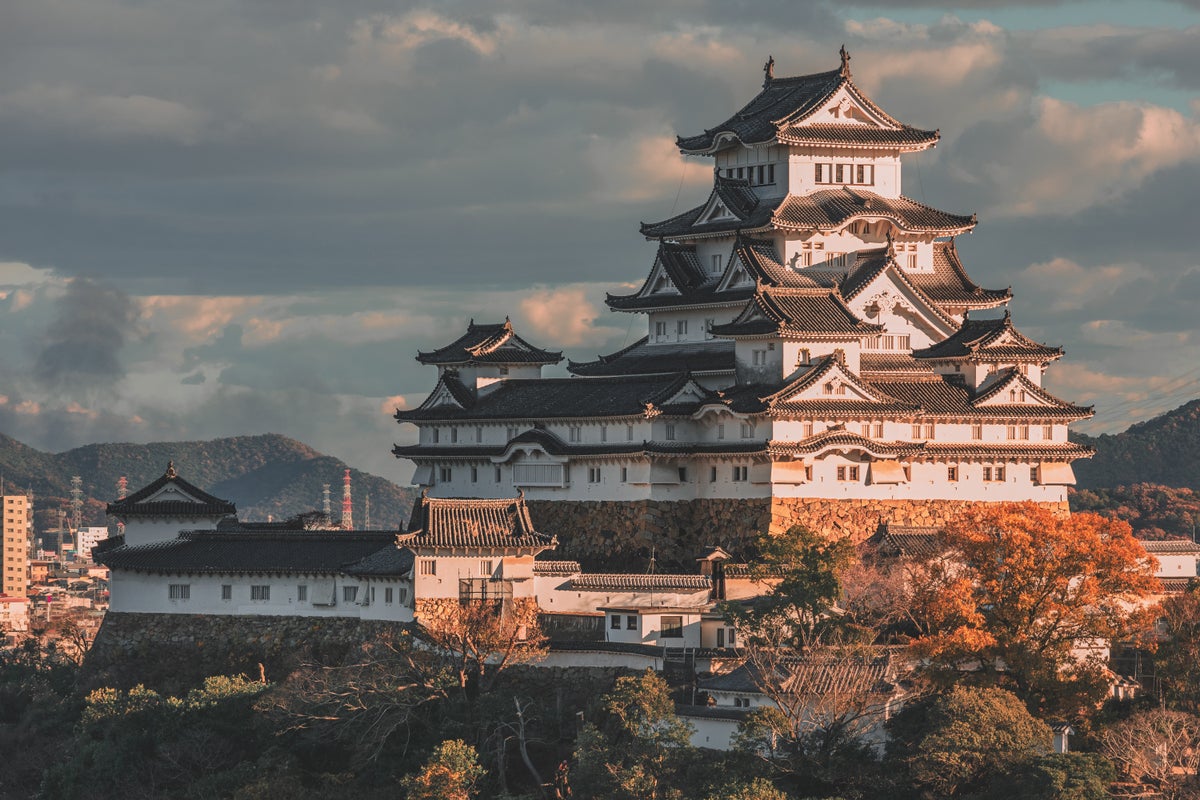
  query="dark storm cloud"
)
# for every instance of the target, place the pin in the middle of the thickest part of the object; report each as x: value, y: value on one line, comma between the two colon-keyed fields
x: 81, y: 349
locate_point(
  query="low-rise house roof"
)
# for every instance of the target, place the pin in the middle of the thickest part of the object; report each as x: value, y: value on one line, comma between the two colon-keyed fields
x: 448, y: 523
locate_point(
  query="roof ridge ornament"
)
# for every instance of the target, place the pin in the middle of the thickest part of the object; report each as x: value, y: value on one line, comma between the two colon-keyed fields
x: 768, y: 71
x: 171, y: 473
x: 845, y: 54
x: 891, y: 245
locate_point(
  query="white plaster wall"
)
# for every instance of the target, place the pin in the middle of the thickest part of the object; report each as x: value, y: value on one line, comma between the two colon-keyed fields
x: 802, y: 174
x: 377, y: 607
x: 714, y: 734
x: 600, y: 659
x: 450, y: 569
x: 695, y: 320
x: 1176, y: 566
x: 148, y: 593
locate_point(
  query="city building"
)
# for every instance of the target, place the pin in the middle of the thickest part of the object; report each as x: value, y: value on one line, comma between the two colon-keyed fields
x: 86, y: 538
x: 812, y: 336
x: 18, y: 521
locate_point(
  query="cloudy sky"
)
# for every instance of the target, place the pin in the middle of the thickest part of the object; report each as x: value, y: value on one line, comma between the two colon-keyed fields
x: 236, y: 217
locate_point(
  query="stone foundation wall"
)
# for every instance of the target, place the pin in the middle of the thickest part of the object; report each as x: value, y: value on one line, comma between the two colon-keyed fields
x: 173, y: 652
x: 620, y: 535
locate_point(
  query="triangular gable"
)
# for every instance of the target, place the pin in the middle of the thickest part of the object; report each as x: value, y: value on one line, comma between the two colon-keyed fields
x: 444, y: 395
x: 1014, y: 389
x: 170, y: 492
x: 659, y: 282
x: 846, y: 106
x: 689, y: 392
x: 736, y: 274
x: 889, y: 284
x: 715, y: 211
x: 829, y: 380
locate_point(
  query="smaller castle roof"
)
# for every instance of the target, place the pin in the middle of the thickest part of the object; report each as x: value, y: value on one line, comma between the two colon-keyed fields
x: 990, y: 340
x: 444, y: 522
x: 644, y: 358
x: 796, y: 312
x: 489, y: 344
x: 171, y: 496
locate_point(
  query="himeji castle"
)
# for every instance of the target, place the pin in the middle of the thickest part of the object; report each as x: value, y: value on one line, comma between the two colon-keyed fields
x: 814, y: 349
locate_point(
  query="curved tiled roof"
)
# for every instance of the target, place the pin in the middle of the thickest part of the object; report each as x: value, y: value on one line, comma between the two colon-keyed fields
x: 643, y: 358
x: 812, y: 676
x: 489, y: 344
x: 796, y: 312
x: 835, y: 438
x: 550, y: 568
x: 948, y: 283
x: 259, y: 552
x: 826, y: 210
x: 774, y: 112
x: 1169, y: 546
x: 904, y: 138
x: 472, y: 522
x: 593, y: 581
x: 978, y: 339
x: 553, y: 398
x: 137, y: 505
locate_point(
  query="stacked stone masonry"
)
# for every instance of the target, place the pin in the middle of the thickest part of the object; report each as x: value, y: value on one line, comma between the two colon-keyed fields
x: 621, y: 534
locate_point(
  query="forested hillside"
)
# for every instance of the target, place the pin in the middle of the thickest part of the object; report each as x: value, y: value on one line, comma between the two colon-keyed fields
x: 267, y: 475
x: 1163, y: 450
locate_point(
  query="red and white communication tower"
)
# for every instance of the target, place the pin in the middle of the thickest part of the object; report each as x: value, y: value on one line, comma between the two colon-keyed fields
x: 347, y: 506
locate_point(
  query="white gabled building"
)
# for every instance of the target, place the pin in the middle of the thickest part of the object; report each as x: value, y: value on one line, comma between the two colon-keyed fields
x: 811, y: 334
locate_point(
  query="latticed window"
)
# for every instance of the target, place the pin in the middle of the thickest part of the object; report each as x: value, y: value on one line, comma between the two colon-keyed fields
x: 179, y: 591
x: 476, y: 589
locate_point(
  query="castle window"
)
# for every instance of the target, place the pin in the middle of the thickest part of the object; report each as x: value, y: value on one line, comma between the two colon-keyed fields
x: 866, y: 430
x: 302, y: 593
x: 349, y: 594
x: 629, y: 433
x: 486, y: 569
x: 681, y: 329
x: 878, y: 430
x: 428, y: 567
x: 497, y: 474
x: 1047, y: 432
x: 454, y: 436
x: 952, y: 474
x: 912, y: 260
x: 624, y: 474
x: 593, y: 474
x: 712, y: 475
x: 916, y: 434
x: 805, y: 356
x: 847, y: 473
x: 824, y: 173
x: 574, y: 433
x: 1000, y: 474
x: 977, y: 431
x: 403, y: 594
x: 987, y: 473
x: 436, y: 433
x: 604, y: 433
x: 840, y: 173
x: 179, y: 591
x: 716, y: 263
x: 389, y: 595
x: 1012, y: 395
x: 1033, y: 474
x: 760, y: 357
x: 511, y: 433
x: 683, y: 475
x: 864, y: 174
x: 928, y: 430
x: 631, y: 622
x: 828, y: 388
x: 808, y: 429
x: 747, y: 430
x: 226, y: 591
x: 660, y: 331
x: 670, y: 432
x: 445, y: 474
x: 478, y: 434
x: 741, y: 473
x: 841, y: 389
x: 721, y: 430
x: 615, y: 622
x: 672, y: 627
x: 474, y: 474
x: 260, y: 593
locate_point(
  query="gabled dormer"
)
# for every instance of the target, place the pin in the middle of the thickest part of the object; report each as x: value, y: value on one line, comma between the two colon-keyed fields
x: 487, y: 354
x: 1011, y: 393
x: 160, y: 510
x: 983, y: 348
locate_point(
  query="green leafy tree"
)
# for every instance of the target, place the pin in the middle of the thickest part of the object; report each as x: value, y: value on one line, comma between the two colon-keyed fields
x: 450, y: 774
x: 753, y: 789
x: 954, y: 744
x: 1058, y: 776
x: 640, y: 749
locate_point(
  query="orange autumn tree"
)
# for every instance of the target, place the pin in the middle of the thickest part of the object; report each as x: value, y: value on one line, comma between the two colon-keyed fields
x: 1027, y: 599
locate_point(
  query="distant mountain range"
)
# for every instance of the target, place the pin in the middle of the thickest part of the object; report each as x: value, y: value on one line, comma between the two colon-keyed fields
x: 265, y: 476
x: 1164, y: 450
